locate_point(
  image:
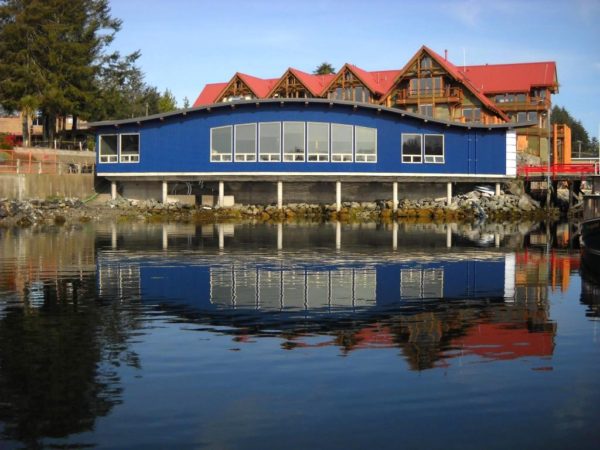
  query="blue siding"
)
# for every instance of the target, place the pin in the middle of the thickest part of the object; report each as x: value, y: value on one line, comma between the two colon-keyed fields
x: 181, y: 143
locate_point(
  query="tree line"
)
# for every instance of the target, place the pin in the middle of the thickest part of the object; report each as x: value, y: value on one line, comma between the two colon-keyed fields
x: 55, y: 59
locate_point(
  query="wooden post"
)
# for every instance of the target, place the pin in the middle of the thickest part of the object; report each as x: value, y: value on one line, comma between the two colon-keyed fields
x: 280, y: 195
x: 338, y: 196
x: 40, y: 169
x: 18, y: 168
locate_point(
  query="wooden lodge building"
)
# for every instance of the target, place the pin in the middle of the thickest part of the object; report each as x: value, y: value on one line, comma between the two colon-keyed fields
x: 391, y: 134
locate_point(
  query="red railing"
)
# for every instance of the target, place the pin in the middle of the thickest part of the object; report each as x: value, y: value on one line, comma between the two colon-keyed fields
x: 556, y: 170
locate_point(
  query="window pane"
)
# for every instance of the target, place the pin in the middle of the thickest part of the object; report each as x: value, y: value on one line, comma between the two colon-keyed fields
x: 270, y: 138
x: 366, y: 144
x: 293, y: 141
x: 318, y: 141
x: 341, y: 142
x: 108, y: 144
x: 221, y: 140
x: 245, y: 140
x: 521, y: 117
x: 532, y: 116
x: 130, y: 144
x: 434, y: 148
x: 411, y: 148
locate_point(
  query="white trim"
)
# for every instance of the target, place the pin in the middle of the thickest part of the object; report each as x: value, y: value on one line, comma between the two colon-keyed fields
x: 270, y: 156
x: 302, y: 174
x: 366, y: 156
x: 318, y: 155
x: 511, y: 152
x: 410, y: 156
x: 129, y: 158
x: 110, y: 159
x: 245, y: 156
x: 303, y: 142
x: 211, y: 156
x: 443, y: 161
x: 342, y: 155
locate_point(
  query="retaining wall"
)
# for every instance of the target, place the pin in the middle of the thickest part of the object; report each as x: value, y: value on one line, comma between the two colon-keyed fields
x: 26, y: 186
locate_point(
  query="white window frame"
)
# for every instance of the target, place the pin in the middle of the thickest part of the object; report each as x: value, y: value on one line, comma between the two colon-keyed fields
x: 434, y: 159
x: 425, y: 106
x: 106, y: 159
x: 341, y: 157
x: 244, y: 157
x: 410, y: 159
x: 320, y: 157
x: 270, y: 157
x: 129, y: 157
x: 220, y: 157
x: 365, y: 158
x: 294, y: 157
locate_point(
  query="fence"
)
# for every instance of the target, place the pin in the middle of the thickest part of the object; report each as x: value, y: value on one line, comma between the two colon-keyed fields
x: 59, y: 144
x: 34, y: 163
x: 557, y: 170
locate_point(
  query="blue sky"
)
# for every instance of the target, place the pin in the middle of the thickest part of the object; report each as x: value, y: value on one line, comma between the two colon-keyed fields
x: 186, y: 44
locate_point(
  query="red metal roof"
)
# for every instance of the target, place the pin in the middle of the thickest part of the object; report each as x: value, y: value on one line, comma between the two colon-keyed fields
x: 510, y: 78
x: 260, y: 86
x: 314, y: 83
x: 209, y: 94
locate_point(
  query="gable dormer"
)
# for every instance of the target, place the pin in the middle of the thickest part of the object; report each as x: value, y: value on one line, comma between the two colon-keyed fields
x: 290, y: 86
x: 348, y: 85
x: 236, y: 89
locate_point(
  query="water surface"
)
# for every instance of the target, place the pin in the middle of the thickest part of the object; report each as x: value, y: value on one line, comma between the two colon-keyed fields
x: 298, y: 336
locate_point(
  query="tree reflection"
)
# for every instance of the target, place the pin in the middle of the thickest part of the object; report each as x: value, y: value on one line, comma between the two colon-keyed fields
x: 57, y: 361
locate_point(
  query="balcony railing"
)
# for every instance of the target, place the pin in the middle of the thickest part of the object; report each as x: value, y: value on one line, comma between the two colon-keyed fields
x: 446, y: 95
x: 529, y: 104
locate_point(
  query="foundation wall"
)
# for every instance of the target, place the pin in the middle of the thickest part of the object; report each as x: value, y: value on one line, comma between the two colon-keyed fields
x: 25, y: 186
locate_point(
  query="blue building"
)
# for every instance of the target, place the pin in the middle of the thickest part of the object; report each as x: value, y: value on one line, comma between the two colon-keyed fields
x: 243, y: 148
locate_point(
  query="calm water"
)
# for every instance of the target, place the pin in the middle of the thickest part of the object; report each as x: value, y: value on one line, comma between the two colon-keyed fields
x: 320, y: 336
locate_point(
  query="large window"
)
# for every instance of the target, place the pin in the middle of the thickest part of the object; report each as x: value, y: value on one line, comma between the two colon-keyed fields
x: 269, y: 148
x: 293, y: 141
x: 318, y: 141
x: 130, y: 148
x: 108, y: 148
x: 366, y: 144
x: 245, y: 142
x: 221, y: 142
x: 341, y: 143
x: 426, y: 86
x: 412, y: 148
x: 434, y: 148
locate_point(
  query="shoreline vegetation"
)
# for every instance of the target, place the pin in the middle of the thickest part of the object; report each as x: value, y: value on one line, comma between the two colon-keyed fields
x: 474, y: 206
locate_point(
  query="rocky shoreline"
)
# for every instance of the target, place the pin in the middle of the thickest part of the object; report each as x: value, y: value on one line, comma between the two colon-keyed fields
x: 472, y: 206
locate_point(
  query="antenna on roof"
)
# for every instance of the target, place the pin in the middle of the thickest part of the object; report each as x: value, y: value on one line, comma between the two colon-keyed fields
x: 445, y: 54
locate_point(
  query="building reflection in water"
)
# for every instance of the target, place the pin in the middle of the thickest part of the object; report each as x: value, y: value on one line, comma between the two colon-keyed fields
x: 360, y: 287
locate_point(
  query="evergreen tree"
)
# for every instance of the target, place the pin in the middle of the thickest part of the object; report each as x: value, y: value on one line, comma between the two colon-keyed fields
x: 167, y: 102
x: 324, y: 69
x: 186, y: 102
x: 560, y: 115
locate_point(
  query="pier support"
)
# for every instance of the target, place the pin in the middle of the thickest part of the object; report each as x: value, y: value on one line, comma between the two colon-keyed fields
x: 497, y: 189
x: 448, y: 193
x: 338, y: 235
x: 165, y: 191
x: 279, y: 236
x: 221, y: 200
x: 395, y: 196
x: 394, y: 235
x: 113, y: 190
x: 338, y: 196
x: 448, y: 236
x: 280, y: 194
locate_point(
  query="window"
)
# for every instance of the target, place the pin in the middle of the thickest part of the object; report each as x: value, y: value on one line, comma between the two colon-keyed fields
x: 412, y: 148
x: 130, y: 148
x: 108, y: 148
x: 434, y: 148
x: 426, y: 110
x: 318, y: 141
x: 293, y: 141
x: 472, y: 114
x: 366, y: 144
x: 426, y: 86
x: 269, y: 148
x: 522, y: 98
x: 245, y: 142
x: 221, y: 143
x: 521, y: 117
x: 532, y: 116
x: 341, y: 143
x: 426, y: 62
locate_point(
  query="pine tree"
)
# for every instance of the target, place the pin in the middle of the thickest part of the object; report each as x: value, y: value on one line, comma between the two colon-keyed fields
x: 167, y: 102
x: 324, y: 69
